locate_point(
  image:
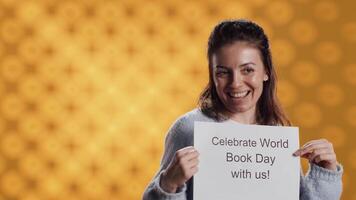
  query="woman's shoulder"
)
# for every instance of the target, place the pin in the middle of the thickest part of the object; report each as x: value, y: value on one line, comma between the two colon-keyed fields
x: 184, y: 125
x: 192, y: 116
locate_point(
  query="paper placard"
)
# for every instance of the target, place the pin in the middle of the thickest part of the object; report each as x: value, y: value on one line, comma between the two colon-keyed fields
x: 248, y: 162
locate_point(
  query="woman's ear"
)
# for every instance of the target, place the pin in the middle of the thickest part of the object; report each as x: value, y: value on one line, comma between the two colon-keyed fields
x: 265, y: 78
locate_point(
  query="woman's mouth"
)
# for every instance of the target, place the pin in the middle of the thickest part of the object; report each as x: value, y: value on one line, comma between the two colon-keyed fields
x: 241, y: 94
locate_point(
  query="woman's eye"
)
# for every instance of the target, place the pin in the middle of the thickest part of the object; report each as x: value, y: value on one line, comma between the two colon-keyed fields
x: 247, y: 70
x: 221, y: 73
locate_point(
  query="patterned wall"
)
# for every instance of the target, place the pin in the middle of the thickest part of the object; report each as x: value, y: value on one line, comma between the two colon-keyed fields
x: 89, y: 88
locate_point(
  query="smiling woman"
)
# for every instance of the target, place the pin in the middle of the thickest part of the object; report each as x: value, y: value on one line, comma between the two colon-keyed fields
x: 239, y: 79
x: 241, y: 88
x: 240, y: 65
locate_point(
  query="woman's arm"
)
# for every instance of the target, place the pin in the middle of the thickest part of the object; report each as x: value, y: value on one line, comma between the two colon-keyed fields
x: 321, y: 183
x: 323, y: 180
x: 175, y: 169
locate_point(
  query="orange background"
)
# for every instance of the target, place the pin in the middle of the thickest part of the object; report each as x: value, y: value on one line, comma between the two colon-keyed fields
x: 89, y: 88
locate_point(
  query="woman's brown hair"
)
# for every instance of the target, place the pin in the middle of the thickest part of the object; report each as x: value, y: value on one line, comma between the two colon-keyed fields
x: 269, y: 111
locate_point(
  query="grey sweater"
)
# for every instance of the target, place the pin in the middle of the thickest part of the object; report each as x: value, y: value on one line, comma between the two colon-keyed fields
x: 319, y: 183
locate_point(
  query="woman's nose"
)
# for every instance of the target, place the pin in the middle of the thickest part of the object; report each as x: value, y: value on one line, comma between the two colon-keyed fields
x: 236, y: 79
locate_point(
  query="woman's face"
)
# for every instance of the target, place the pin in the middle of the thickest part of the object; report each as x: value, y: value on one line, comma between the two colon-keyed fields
x: 238, y: 73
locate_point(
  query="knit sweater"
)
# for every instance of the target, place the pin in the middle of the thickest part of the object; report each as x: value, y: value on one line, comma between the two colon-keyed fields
x: 318, y: 184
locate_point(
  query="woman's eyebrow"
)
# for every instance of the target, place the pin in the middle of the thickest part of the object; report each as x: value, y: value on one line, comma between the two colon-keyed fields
x: 248, y: 63
x: 242, y: 65
x: 221, y: 67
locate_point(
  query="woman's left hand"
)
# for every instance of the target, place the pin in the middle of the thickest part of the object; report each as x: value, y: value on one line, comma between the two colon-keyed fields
x: 320, y: 152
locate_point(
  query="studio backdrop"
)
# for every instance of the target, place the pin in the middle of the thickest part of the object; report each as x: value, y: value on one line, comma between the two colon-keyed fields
x: 89, y: 88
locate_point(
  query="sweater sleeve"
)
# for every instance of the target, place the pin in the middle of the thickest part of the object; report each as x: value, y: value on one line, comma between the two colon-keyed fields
x: 321, y: 184
x: 175, y: 140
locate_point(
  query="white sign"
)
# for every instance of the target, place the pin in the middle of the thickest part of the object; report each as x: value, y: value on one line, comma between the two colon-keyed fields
x: 247, y: 162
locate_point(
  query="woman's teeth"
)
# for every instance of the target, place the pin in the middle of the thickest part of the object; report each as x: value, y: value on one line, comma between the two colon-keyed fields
x: 238, y: 94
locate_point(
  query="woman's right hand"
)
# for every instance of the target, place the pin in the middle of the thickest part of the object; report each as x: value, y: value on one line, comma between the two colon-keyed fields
x: 181, y: 168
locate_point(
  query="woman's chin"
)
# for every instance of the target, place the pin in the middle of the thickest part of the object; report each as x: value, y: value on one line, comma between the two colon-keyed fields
x: 239, y: 109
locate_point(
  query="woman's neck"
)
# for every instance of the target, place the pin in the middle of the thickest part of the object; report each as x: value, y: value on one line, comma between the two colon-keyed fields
x: 247, y: 117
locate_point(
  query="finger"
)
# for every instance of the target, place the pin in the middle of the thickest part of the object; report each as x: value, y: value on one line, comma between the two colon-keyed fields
x: 331, y: 157
x: 323, y: 144
x: 191, y: 156
x: 186, y: 149
x: 315, y: 142
x: 307, y: 155
x: 307, y: 145
x: 193, y: 162
x: 318, y: 152
x: 189, y: 172
x: 189, y: 165
x: 181, y: 152
x: 313, y: 147
x: 298, y: 152
x: 187, y: 158
x: 194, y: 170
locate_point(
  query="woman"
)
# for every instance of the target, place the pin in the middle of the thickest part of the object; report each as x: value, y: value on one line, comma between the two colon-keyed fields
x: 241, y: 88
